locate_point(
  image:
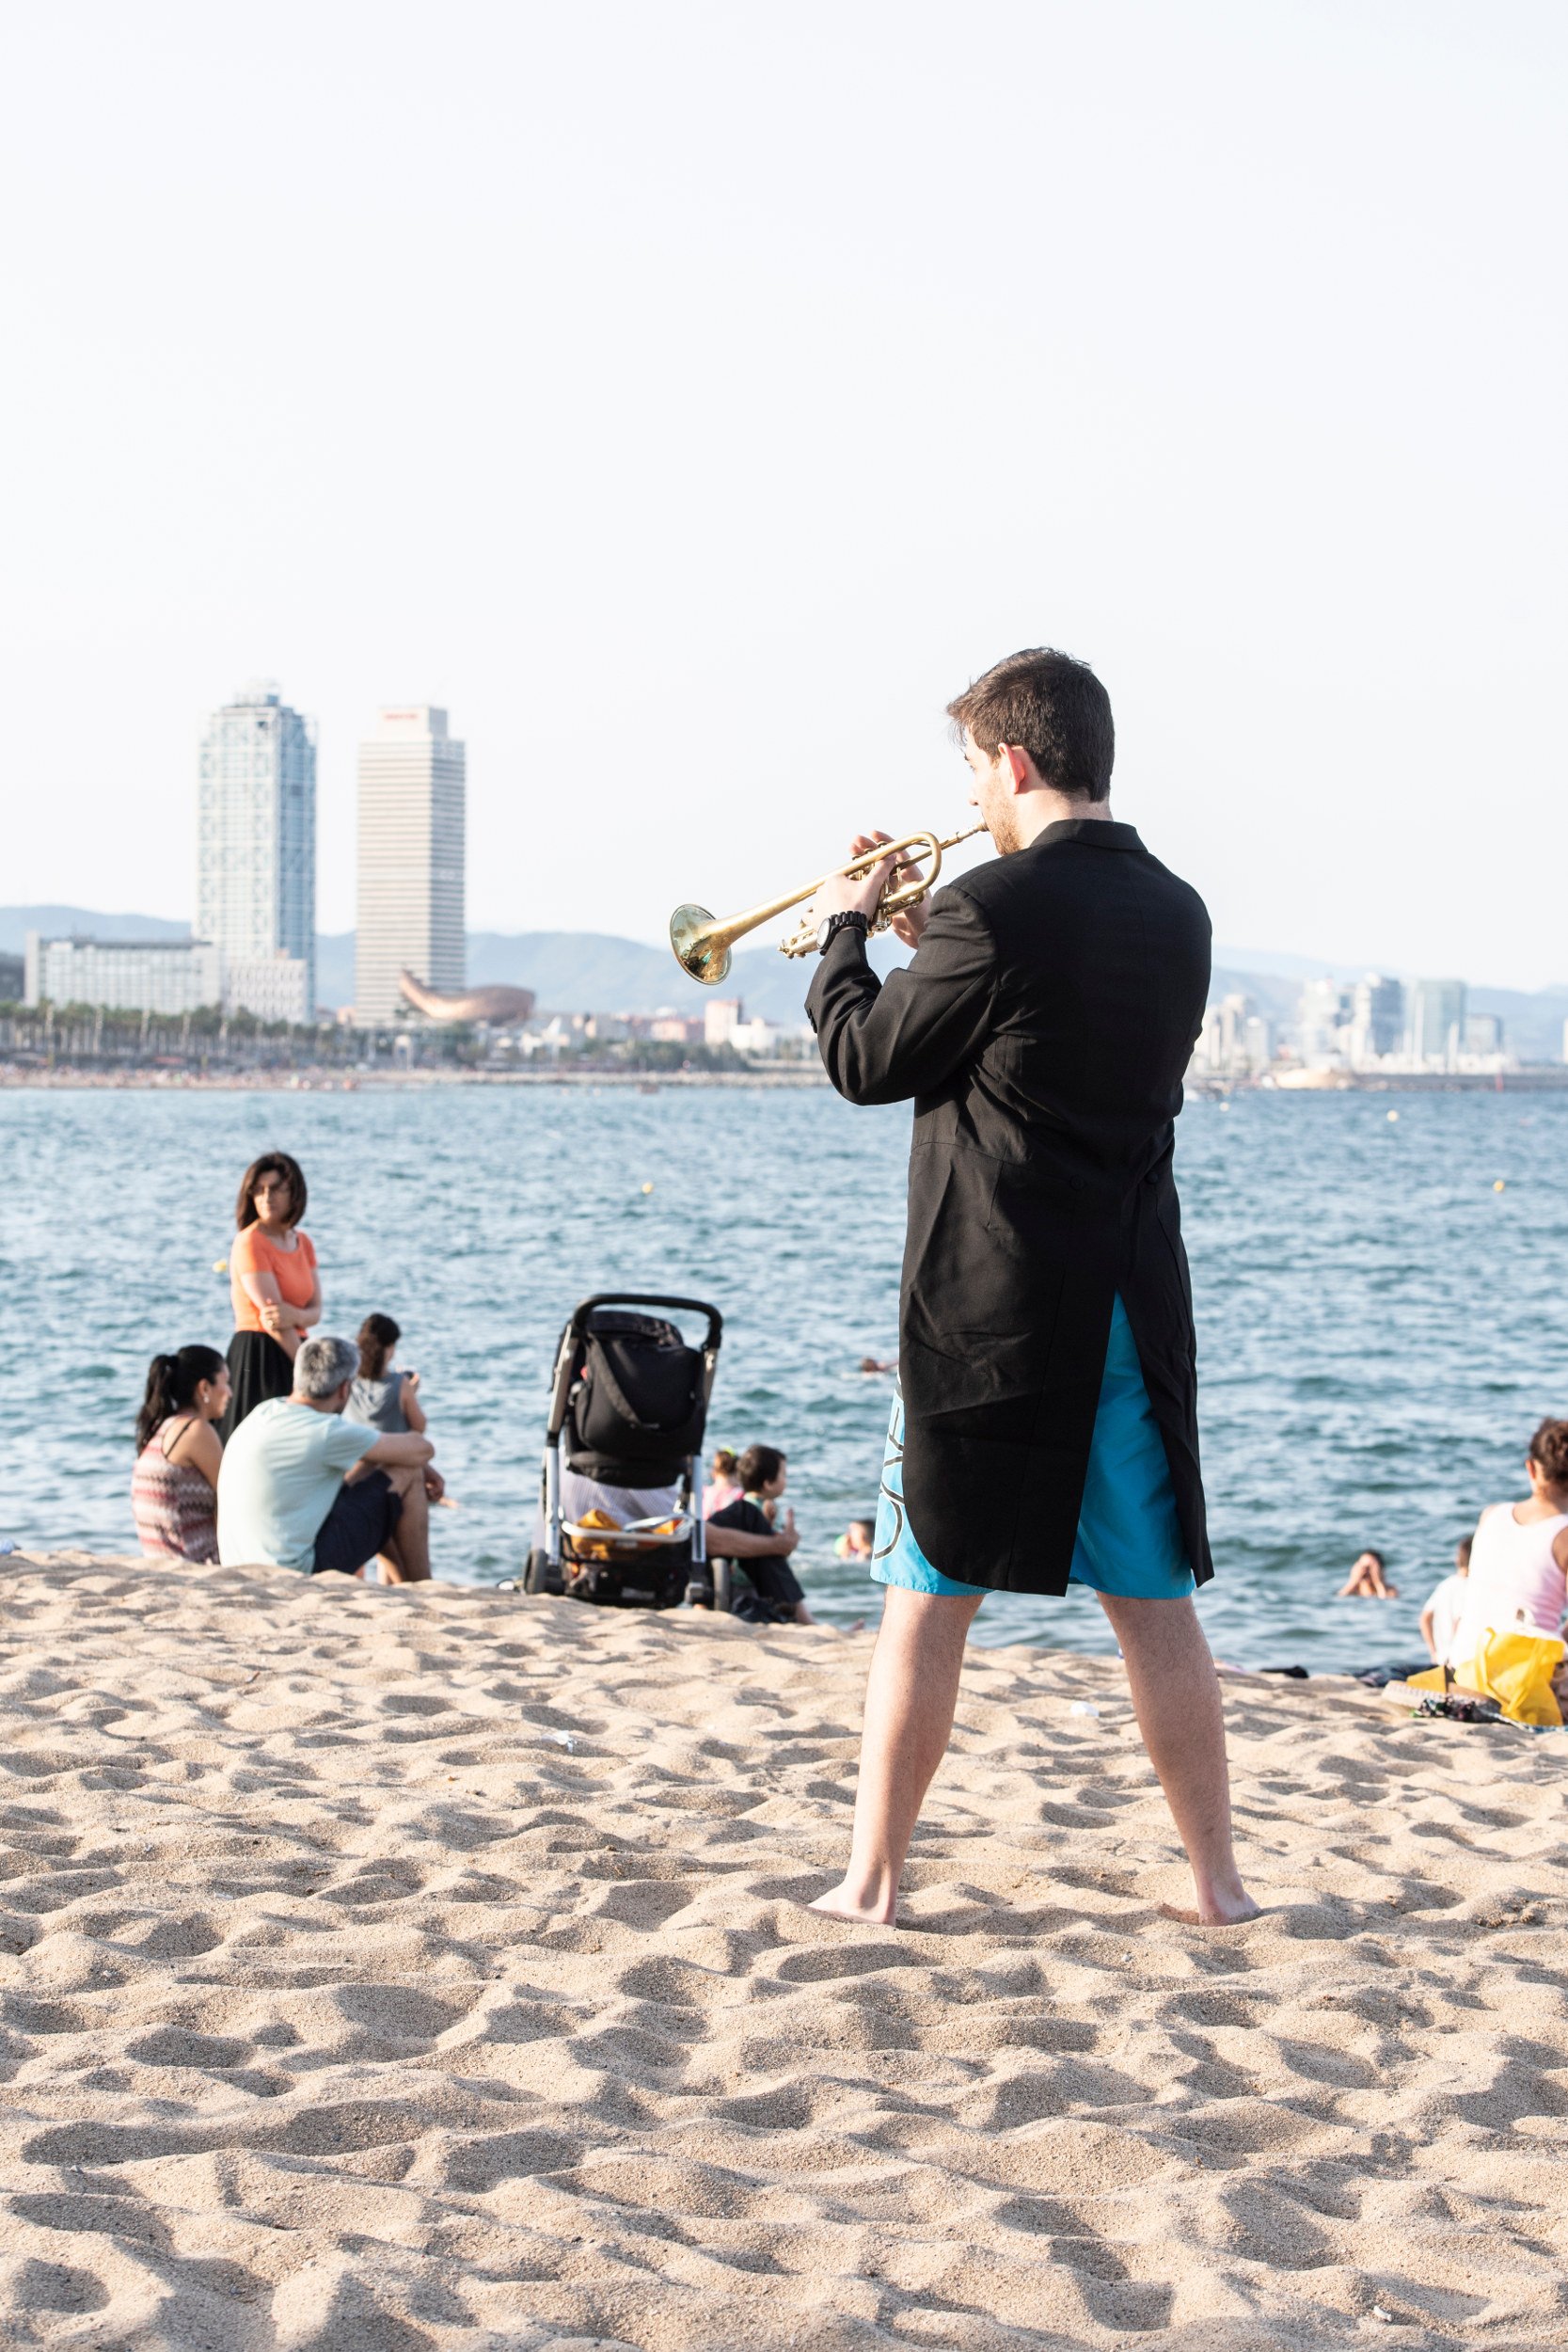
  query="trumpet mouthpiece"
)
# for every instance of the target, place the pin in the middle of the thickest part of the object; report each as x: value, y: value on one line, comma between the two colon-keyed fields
x: 699, y: 949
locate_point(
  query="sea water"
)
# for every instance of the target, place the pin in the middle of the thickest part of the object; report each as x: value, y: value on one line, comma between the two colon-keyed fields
x: 1380, y: 1326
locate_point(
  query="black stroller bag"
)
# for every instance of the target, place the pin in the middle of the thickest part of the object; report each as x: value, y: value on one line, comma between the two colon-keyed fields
x: 638, y: 1407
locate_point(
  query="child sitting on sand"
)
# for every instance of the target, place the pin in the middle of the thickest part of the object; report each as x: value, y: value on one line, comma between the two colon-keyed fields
x: 1445, y: 1605
x: 381, y: 1398
x: 725, y: 1487
x: 857, y: 1540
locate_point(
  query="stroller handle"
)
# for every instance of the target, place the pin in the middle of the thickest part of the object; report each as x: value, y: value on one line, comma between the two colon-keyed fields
x: 649, y: 1298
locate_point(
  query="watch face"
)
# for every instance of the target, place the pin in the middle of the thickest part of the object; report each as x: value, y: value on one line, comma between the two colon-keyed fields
x: 824, y: 932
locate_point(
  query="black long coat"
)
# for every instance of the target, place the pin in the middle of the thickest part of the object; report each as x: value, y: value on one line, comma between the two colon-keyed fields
x: 1042, y: 1029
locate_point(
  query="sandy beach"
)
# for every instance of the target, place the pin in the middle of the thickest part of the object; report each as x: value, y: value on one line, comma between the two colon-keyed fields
x: 382, y: 1971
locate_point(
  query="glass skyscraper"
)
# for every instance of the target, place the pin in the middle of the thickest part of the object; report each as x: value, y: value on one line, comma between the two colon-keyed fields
x: 1437, y: 1033
x: 255, y: 885
x: 413, y: 789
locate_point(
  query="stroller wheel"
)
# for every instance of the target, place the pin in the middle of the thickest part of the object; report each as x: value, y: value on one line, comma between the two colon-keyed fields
x: 539, y: 1577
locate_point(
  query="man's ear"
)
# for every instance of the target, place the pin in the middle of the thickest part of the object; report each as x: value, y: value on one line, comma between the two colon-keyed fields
x: 1019, y: 767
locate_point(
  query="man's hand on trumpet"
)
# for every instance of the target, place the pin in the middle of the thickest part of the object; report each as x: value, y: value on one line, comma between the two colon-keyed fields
x: 863, y: 896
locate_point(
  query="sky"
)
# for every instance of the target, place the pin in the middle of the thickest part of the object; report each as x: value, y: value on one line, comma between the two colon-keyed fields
x: 694, y: 398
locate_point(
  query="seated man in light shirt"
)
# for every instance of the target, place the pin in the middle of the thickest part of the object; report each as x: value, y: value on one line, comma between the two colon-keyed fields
x: 1446, y: 1606
x: 300, y: 1488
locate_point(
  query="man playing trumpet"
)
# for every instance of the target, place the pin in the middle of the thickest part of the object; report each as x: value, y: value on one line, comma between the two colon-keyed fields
x: 1046, y: 1425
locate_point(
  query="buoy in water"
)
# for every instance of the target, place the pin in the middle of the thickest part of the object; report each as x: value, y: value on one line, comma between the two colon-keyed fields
x: 1392, y: 1116
x: 1499, y: 1186
x: 647, y: 1189
x: 220, y: 1266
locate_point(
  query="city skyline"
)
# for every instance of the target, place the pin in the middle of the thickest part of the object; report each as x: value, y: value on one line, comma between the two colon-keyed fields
x: 699, y: 512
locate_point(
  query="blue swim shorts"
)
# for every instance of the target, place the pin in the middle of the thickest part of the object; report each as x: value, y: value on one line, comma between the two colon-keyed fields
x: 1129, y: 1536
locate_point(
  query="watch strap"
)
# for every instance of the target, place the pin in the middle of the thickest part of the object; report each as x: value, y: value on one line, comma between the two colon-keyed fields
x: 846, y: 918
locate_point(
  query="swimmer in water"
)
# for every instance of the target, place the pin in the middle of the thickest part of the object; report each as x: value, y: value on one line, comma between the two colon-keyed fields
x: 1368, y: 1580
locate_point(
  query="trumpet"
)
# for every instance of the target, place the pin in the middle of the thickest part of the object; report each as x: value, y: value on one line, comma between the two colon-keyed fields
x: 703, y: 944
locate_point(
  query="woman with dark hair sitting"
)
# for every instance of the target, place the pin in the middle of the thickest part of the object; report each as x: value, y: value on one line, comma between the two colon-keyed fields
x: 764, y: 1473
x: 174, y: 1485
x: 273, y: 1282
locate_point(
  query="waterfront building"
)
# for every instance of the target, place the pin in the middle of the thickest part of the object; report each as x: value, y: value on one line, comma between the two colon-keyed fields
x: 412, y: 791
x: 269, y: 988
x: 1323, y: 1022
x: 256, y: 873
x: 720, y: 1018
x: 165, y: 975
x: 1434, y: 1033
x: 1236, y: 1041
x: 1483, y: 1034
x: 1377, y: 1019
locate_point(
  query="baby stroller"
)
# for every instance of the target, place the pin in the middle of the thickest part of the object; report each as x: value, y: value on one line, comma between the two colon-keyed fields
x: 628, y: 1406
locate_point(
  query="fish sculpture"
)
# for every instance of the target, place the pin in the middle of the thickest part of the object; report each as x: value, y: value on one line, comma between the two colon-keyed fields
x: 499, y: 1006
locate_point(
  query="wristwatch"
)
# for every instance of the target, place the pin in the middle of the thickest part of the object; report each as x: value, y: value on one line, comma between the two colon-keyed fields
x: 831, y: 925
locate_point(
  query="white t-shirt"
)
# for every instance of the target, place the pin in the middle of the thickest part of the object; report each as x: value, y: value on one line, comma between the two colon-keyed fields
x: 1445, y: 1603
x: 280, y: 1474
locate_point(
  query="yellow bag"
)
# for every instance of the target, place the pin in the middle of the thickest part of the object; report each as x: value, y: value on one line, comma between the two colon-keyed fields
x: 1515, y: 1668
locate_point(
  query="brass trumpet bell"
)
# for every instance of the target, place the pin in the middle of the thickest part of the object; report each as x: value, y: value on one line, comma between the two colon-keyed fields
x: 703, y: 945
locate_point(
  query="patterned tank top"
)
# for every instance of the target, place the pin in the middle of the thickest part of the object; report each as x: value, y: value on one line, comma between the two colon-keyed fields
x: 174, y: 1508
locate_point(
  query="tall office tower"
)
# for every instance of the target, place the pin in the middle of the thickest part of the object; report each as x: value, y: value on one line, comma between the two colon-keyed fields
x: 1324, y: 1012
x: 255, y: 887
x: 1377, y: 1024
x: 1436, y: 1031
x: 412, y: 821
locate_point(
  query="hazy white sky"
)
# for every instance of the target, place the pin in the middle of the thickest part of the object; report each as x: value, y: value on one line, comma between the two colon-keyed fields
x: 694, y: 397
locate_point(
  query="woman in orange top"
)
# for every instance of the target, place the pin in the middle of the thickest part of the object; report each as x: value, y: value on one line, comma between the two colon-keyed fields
x: 272, y: 1279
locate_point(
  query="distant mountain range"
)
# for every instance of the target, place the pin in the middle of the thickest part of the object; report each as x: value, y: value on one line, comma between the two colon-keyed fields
x: 592, y: 972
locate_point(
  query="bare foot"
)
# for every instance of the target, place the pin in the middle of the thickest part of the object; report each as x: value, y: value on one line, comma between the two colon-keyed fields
x: 1230, y: 1913
x: 838, y: 1904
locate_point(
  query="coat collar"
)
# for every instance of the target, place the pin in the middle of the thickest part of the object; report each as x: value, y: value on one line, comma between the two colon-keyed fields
x: 1100, y: 832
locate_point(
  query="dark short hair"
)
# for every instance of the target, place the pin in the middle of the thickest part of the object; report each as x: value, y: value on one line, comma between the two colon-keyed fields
x: 270, y: 1164
x: 759, y: 1466
x: 1367, y: 1553
x: 1548, y: 1450
x: 1052, y: 707
x: 1461, y: 1552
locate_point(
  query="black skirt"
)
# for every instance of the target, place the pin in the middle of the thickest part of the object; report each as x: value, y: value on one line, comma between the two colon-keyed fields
x: 258, y: 1368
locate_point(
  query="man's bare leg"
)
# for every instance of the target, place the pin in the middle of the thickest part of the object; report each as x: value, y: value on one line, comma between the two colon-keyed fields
x: 910, y: 1696
x: 1176, y: 1694
x: 407, y: 1557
